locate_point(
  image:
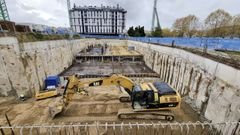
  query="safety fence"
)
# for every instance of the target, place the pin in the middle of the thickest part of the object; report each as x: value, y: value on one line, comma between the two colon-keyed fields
x: 198, y: 128
x: 196, y: 42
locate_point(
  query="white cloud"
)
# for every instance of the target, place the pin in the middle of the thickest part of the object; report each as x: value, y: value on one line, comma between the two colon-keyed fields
x: 54, y: 12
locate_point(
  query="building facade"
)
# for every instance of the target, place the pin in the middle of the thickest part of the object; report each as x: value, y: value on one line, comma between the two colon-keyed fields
x: 98, y: 20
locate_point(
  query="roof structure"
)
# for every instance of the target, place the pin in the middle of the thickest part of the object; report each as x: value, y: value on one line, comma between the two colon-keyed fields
x: 102, y: 8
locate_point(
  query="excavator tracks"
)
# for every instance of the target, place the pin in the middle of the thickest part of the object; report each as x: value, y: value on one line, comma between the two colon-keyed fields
x: 145, y: 115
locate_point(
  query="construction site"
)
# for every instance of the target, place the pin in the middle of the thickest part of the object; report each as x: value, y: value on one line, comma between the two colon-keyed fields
x: 95, y: 108
x: 99, y: 82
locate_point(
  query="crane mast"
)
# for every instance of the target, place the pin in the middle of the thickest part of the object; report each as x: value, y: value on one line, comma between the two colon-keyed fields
x: 69, y: 17
x: 155, y: 16
x: 3, y: 11
x: 69, y: 14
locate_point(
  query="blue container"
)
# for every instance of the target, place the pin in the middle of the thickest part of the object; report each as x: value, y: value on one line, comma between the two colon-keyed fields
x: 52, y: 81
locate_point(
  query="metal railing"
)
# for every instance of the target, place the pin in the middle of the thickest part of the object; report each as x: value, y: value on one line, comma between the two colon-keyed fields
x: 96, y: 128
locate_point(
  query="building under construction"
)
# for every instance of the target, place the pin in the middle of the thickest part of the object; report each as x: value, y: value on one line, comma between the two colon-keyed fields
x: 98, y: 20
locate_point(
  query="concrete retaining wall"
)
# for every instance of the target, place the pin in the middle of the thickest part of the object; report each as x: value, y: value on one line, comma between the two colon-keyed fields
x: 25, y: 66
x: 212, y: 88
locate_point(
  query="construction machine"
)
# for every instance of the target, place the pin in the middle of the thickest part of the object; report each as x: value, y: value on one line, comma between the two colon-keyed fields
x: 148, y: 100
x: 50, y: 88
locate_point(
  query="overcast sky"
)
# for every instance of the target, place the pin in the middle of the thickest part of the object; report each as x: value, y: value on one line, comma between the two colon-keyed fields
x: 54, y: 12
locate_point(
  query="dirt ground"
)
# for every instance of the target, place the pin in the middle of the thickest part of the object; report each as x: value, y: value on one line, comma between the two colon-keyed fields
x: 101, y: 105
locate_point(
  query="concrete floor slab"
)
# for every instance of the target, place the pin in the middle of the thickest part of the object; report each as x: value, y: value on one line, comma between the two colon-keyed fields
x: 107, y: 68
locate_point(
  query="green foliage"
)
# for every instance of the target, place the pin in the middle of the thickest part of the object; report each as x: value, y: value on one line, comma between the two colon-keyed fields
x: 39, y: 36
x: 157, y: 32
x: 142, y: 31
x: 76, y: 36
x: 167, y: 33
x: 131, y: 31
x: 33, y: 37
x: 66, y: 36
x: 137, y: 32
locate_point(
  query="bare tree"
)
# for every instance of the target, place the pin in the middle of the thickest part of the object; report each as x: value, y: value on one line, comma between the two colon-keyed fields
x: 217, y: 21
x: 178, y: 27
x: 186, y: 26
x: 235, y: 26
x: 191, y: 25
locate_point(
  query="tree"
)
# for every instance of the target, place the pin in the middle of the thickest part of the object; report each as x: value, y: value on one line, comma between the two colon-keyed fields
x: 131, y: 31
x: 186, y: 26
x: 235, y: 24
x: 157, y: 32
x: 137, y: 31
x: 178, y: 27
x: 167, y: 32
x: 216, y: 21
x: 191, y: 25
x: 142, y: 31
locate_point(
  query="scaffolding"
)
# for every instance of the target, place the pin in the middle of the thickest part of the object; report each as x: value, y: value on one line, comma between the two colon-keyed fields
x: 3, y: 11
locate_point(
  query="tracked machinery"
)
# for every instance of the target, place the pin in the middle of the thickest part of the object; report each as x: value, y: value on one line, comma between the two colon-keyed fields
x: 148, y: 100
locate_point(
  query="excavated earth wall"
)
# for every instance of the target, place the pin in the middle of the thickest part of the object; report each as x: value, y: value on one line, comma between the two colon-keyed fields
x: 212, y: 88
x: 24, y: 66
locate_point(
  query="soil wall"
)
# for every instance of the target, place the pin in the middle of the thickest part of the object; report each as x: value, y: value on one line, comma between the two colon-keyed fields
x: 212, y: 88
x: 24, y: 66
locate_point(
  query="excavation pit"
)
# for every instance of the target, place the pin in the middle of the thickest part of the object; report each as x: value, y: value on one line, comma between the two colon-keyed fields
x: 206, y: 83
x: 103, y: 60
x: 93, y: 69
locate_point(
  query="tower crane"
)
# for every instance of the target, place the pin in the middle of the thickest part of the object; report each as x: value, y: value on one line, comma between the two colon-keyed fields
x: 3, y: 11
x: 155, y: 16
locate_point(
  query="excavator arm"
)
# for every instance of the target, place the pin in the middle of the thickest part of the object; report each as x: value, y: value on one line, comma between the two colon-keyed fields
x: 74, y: 83
x: 145, y: 97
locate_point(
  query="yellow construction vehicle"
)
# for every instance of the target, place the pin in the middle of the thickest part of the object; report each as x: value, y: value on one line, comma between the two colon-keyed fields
x: 50, y: 88
x: 149, y: 100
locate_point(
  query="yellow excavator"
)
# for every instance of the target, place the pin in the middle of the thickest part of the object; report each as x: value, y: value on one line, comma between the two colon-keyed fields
x: 148, y: 100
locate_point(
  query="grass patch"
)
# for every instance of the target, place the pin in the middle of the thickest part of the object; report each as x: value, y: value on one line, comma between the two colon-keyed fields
x: 229, y: 52
x: 33, y: 37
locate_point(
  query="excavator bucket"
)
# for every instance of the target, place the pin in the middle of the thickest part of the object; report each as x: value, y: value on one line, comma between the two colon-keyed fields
x: 56, y: 107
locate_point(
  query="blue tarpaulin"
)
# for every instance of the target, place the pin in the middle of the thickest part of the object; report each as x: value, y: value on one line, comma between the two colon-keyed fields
x: 52, y: 81
x: 197, y: 42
